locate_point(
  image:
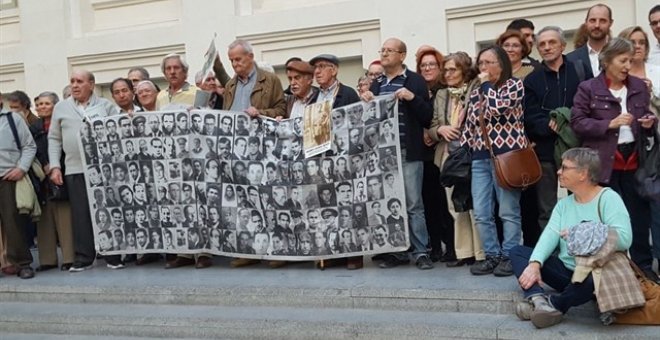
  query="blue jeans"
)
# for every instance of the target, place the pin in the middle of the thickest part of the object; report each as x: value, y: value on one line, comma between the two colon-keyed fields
x: 413, y: 174
x: 655, y: 228
x: 484, y: 192
x: 555, y: 275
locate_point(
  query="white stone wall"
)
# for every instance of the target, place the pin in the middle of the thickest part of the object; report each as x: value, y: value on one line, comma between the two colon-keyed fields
x: 41, y: 41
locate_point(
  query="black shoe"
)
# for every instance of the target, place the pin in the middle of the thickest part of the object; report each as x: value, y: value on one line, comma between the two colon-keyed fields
x: 130, y: 258
x: 66, y: 266
x: 424, y: 263
x: 448, y: 256
x: 392, y: 261
x: 484, y: 267
x: 435, y: 256
x: 503, y: 268
x: 379, y: 257
x: 460, y: 263
x: 25, y: 273
x: 45, y: 267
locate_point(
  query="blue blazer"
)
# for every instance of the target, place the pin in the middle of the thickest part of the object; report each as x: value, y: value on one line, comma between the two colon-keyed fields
x: 581, y: 56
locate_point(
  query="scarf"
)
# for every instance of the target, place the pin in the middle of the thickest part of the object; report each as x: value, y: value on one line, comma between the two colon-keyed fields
x: 457, y: 96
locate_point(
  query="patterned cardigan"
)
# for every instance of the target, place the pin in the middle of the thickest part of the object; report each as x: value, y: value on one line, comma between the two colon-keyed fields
x: 503, y: 115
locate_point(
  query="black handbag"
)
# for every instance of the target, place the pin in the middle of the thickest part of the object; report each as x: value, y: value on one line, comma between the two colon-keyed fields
x: 457, y: 167
x: 647, y: 176
x: 461, y: 197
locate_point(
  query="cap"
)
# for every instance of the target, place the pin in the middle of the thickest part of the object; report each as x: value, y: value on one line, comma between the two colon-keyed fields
x: 327, y: 57
x: 300, y: 66
x: 139, y: 120
x: 333, y: 212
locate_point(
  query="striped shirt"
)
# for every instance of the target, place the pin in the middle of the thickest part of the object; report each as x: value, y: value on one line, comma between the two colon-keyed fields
x: 389, y: 86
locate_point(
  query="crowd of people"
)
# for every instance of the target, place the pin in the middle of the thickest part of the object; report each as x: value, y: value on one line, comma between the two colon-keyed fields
x: 605, y: 95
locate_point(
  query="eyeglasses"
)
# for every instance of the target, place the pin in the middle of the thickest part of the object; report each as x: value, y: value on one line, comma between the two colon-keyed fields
x: 374, y: 74
x: 487, y: 63
x: 450, y: 70
x: 428, y: 65
x: 323, y: 66
x: 512, y: 46
x: 563, y: 167
x: 389, y: 51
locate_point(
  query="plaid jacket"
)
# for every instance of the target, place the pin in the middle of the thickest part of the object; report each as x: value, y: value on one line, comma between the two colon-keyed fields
x: 615, y: 284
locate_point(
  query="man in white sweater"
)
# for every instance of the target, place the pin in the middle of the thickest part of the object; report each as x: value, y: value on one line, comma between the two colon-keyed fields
x: 68, y: 116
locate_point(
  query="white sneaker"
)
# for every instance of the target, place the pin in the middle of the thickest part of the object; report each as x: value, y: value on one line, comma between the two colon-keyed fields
x: 79, y: 267
x: 115, y: 266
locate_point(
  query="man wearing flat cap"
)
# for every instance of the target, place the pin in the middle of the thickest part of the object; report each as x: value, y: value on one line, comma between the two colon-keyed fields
x: 326, y: 67
x: 300, y: 75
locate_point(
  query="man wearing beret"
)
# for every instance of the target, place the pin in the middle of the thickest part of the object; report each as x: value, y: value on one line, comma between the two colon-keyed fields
x: 301, y: 76
x: 326, y: 67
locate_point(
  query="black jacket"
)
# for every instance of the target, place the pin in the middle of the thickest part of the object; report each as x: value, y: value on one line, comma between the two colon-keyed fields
x: 546, y: 90
x: 416, y: 115
x: 345, y: 96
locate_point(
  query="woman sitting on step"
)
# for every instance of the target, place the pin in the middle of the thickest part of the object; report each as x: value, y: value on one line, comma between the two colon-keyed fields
x: 579, y: 173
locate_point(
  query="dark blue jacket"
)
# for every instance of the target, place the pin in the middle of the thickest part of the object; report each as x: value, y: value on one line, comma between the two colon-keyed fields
x: 416, y: 115
x: 546, y: 90
x: 580, y: 57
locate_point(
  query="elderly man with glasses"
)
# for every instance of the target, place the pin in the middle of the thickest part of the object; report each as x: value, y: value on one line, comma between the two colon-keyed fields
x: 326, y: 68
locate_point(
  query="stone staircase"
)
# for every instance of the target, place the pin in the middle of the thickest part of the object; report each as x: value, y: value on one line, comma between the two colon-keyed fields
x: 295, y: 302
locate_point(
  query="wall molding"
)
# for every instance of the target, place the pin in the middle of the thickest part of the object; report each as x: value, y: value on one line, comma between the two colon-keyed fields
x: 160, y: 51
x: 312, y: 32
x: 108, y: 4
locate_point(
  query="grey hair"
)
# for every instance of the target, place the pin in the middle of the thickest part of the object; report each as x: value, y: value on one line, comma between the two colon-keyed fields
x: 554, y: 29
x: 199, y: 76
x: 52, y: 95
x: 614, y: 47
x: 247, y: 47
x: 585, y: 158
x: 146, y: 82
x: 184, y: 64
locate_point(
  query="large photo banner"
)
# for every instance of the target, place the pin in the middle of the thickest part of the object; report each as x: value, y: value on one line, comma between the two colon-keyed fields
x: 223, y: 183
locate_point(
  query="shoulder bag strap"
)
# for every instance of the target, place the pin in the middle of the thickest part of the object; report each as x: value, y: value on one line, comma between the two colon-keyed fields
x: 14, y: 131
x: 482, y: 123
x: 600, y: 217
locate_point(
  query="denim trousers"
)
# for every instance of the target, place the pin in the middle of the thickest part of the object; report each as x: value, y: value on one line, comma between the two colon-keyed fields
x: 485, y: 191
x: 555, y: 275
x: 413, y: 174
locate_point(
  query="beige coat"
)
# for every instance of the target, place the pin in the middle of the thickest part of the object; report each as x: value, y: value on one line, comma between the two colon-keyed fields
x: 440, y: 106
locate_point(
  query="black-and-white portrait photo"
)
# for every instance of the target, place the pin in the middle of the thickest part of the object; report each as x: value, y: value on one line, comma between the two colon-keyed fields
x: 226, y: 183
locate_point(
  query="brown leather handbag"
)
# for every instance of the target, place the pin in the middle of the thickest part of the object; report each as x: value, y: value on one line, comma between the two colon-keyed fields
x: 516, y: 169
x: 649, y: 314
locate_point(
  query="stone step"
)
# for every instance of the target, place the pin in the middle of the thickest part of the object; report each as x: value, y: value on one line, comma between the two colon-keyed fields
x: 299, y: 285
x: 184, y: 321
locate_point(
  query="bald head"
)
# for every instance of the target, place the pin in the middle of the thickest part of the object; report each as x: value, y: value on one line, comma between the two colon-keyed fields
x: 82, y: 85
x: 392, y: 55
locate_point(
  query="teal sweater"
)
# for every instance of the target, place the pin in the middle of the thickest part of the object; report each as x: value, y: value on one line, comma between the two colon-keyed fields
x: 569, y: 212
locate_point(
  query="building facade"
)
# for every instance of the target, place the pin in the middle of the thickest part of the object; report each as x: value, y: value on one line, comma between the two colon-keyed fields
x: 41, y: 41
